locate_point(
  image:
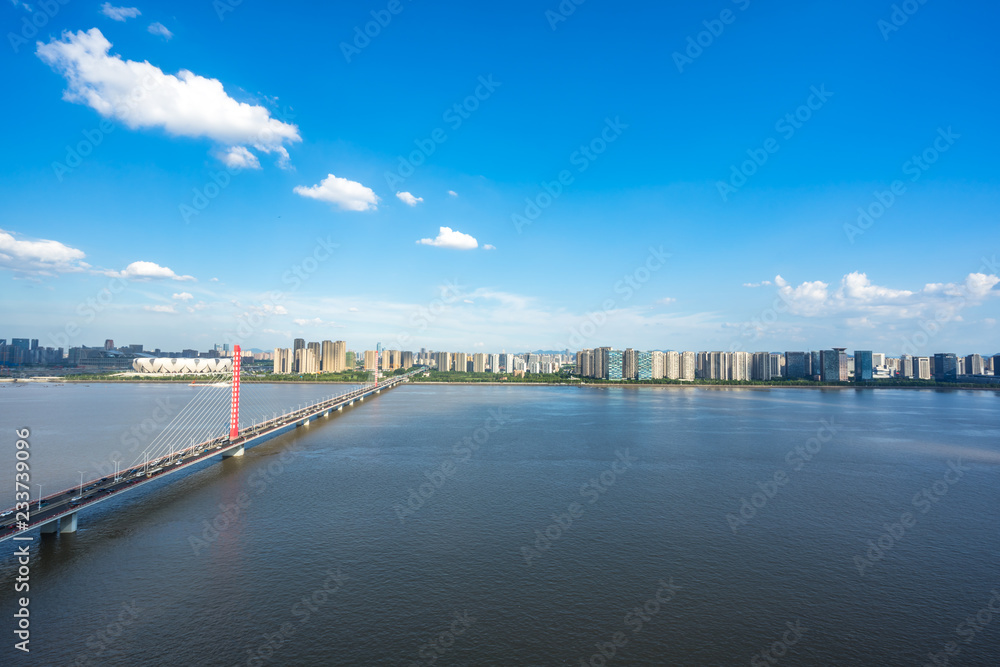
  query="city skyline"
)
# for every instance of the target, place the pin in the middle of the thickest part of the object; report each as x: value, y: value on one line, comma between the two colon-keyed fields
x: 841, y: 204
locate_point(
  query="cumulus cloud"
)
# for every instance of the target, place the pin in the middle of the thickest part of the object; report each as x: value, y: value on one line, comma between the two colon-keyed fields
x: 160, y: 309
x: 348, y: 195
x: 159, y: 29
x: 119, y: 13
x: 239, y: 157
x: 142, y: 96
x: 452, y: 193
x: 147, y: 271
x: 39, y: 256
x: 408, y: 199
x: 859, y: 299
x: 489, y: 246
x: 451, y: 238
x: 183, y: 296
x: 763, y: 283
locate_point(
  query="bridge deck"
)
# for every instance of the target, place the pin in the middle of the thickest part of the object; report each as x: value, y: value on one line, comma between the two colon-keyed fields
x: 69, y: 501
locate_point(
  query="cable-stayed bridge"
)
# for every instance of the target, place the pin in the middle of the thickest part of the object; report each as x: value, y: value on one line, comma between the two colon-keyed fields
x: 207, y: 427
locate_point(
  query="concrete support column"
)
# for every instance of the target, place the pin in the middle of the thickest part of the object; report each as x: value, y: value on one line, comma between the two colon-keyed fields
x: 233, y: 452
x: 67, y: 524
x: 50, y: 528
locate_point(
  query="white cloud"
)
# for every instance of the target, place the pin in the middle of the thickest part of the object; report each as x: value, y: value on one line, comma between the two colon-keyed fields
x: 160, y: 309
x: 666, y: 301
x: 408, y: 199
x: 160, y: 29
x: 449, y: 238
x: 452, y: 193
x: 859, y: 300
x: 119, y: 13
x: 352, y: 309
x: 142, y: 96
x: 489, y: 246
x: 348, y: 195
x: 147, y: 271
x: 763, y: 283
x: 183, y: 296
x: 239, y: 157
x: 39, y: 256
x: 317, y: 322
x: 213, y: 280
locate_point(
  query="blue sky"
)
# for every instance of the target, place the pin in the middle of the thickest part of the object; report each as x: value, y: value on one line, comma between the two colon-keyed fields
x: 651, y: 240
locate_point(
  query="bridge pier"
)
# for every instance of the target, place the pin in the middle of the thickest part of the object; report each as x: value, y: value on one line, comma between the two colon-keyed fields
x: 51, y: 527
x: 233, y: 452
x: 340, y: 408
x: 67, y: 524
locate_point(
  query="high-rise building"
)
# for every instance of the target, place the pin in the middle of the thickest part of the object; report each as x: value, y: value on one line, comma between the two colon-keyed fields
x: 306, y: 361
x: 317, y: 351
x: 996, y: 364
x: 601, y: 362
x: 284, y: 361
x: 777, y: 364
x: 863, y: 364
x: 644, y: 365
x: 493, y: 362
x: 479, y: 362
x: 109, y: 344
x: 815, y: 367
x: 371, y: 360
x: 672, y: 365
x: 407, y: 359
x: 906, y: 366
x: 922, y: 368
x: 444, y: 360
x: 687, y: 366
x: 462, y: 362
x: 829, y: 363
x: 659, y: 362
x: 974, y: 365
x: 615, y: 361
x: 945, y: 367
x: 878, y: 359
x: 795, y: 365
x: 629, y: 367
x: 761, y: 366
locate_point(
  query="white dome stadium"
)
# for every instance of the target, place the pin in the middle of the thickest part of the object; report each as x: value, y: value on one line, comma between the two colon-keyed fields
x: 183, y: 366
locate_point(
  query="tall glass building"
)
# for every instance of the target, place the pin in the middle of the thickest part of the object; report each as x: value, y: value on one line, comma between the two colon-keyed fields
x: 862, y: 365
x: 644, y: 365
x: 829, y: 364
x: 615, y: 364
x: 945, y: 367
x: 795, y: 365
